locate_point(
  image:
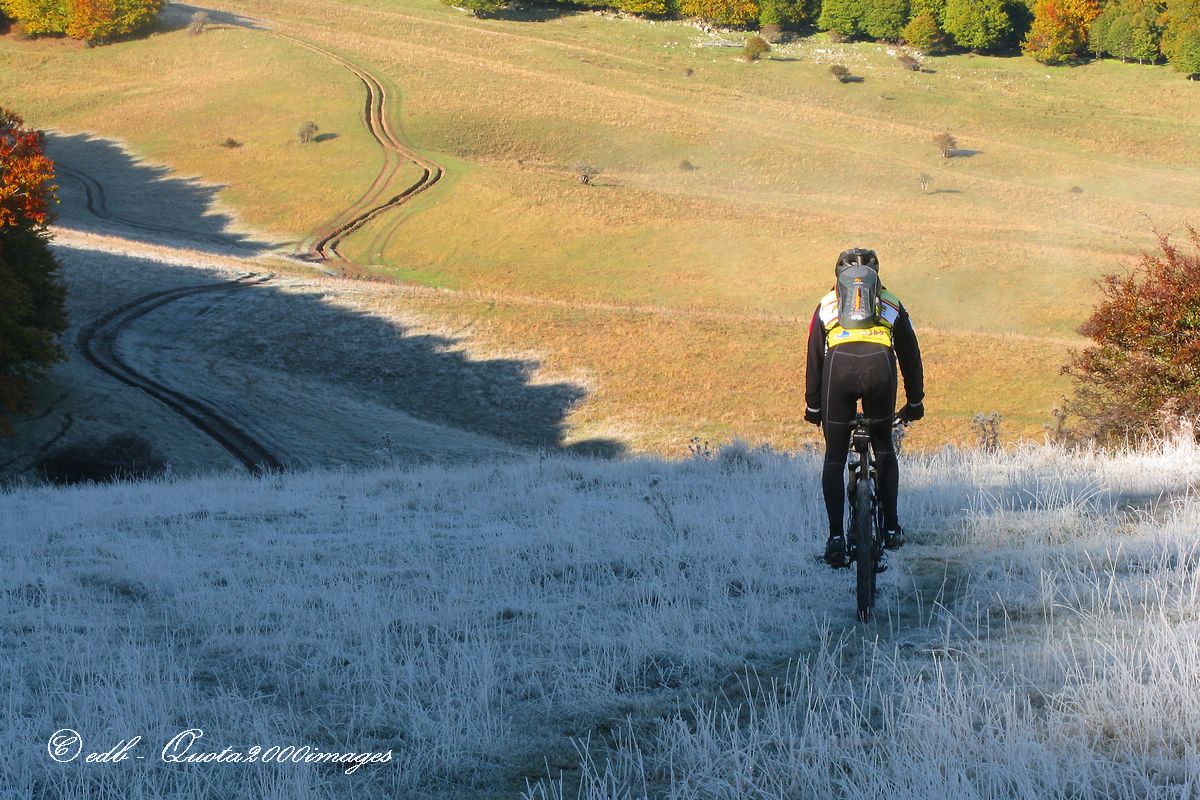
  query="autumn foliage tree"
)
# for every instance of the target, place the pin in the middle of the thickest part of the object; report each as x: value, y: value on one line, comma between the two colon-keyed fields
x: 90, y: 20
x: 31, y: 296
x: 1145, y: 356
x: 1060, y: 30
x: 736, y: 13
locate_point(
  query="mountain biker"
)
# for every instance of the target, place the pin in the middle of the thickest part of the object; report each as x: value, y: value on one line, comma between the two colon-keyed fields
x: 845, y: 366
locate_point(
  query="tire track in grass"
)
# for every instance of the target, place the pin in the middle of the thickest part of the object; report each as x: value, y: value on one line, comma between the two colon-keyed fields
x: 96, y: 202
x: 98, y: 343
x: 374, y: 201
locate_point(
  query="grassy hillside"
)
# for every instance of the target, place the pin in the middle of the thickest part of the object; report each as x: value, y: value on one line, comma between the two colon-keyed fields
x: 483, y: 622
x: 1061, y: 174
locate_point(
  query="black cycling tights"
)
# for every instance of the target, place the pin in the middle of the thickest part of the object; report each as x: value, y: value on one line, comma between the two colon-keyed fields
x: 858, y: 371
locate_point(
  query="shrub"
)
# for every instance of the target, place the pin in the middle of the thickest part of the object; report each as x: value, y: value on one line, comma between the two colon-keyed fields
x: 198, y: 23
x: 307, y: 132
x: 647, y: 8
x: 124, y: 456
x: 840, y: 72
x: 907, y: 62
x: 986, y: 428
x: 31, y: 295
x: 231, y: 143
x: 755, y: 48
x: 686, y: 166
x: 946, y: 144
x: 586, y: 173
x: 771, y: 32
x: 1059, y: 31
x: 978, y: 24
x: 1145, y: 351
x: 923, y: 33
x: 926, y: 180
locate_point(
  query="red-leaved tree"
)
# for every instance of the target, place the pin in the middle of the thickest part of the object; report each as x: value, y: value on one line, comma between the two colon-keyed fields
x: 31, y: 295
x: 1145, y: 356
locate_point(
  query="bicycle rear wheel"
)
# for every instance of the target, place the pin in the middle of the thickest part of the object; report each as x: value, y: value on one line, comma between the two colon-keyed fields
x: 862, y: 530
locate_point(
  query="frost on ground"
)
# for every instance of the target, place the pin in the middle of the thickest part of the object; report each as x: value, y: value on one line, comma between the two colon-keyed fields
x: 484, y: 621
x: 1066, y: 662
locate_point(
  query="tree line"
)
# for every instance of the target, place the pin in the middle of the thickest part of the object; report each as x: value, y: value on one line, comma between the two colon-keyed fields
x: 90, y: 20
x: 1052, y: 31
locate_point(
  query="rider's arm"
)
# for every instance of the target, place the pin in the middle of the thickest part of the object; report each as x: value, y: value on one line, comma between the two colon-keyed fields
x: 816, y: 361
x: 908, y: 353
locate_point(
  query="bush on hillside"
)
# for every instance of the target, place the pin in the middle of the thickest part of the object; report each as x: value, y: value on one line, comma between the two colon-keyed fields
x: 1060, y: 30
x: 756, y: 47
x: 840, y: 72
x: 646, y: 8
x: 122, y: 457
x: 1145, y: 351
x: 907, y: 62
x: 978, y: 24
x: 923, y: 33
x: 198, y: 23
x: 946, y: 144
x: 307, y: 132
x: 31, y: 295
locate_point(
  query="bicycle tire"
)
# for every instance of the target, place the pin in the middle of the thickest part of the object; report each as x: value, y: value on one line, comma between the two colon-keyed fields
x: 863, y: 532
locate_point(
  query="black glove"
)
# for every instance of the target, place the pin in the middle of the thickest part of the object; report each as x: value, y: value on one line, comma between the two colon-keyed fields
x: 812, y: 415
x: 911, y: 413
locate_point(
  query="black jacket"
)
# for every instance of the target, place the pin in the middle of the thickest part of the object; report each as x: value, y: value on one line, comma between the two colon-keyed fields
x: 904, y: 347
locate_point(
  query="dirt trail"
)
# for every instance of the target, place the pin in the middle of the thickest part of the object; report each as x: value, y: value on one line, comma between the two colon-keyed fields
x: 395, y: 151
x: 98, y: 343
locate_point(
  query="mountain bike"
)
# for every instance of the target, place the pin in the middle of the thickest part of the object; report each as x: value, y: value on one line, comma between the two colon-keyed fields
x: 864, y: 542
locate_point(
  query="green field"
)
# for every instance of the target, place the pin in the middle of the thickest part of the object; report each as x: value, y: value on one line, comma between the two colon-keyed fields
x: 679, y: 296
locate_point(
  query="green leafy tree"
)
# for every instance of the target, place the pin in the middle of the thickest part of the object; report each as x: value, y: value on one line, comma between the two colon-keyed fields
x: 648, y: 8
x: 736, y: 13
x: 935, y: 7
x: 38, y: 17
x: 1145, y: 353
x: 923, y: 33
x: 783, y: 13
x: 885, y: 19
x: 842, y: 16
x: 1128, y: 30
x: 978, y: 24
x: 1181, y: 35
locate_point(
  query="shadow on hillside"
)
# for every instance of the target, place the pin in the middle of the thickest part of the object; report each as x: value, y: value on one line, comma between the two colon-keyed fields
x: 532, y: 12
x: 104, y: 189
x: 963, y: 153
x: 176, y: 16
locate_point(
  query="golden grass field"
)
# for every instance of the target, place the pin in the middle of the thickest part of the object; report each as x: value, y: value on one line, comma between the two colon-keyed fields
x: 680, y: 297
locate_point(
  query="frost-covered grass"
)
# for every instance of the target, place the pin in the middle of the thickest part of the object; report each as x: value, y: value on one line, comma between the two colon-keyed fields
x: 1065, y: 662
x: 480, y: 621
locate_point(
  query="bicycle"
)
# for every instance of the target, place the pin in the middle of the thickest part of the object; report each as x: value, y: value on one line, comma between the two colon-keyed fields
x: 864, y: 544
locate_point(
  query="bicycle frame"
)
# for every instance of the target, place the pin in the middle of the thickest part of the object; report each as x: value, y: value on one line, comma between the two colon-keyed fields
x: 864, y: 501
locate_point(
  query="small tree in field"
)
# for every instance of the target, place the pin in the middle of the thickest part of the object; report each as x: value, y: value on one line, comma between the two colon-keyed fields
x: 841, y: 73
x: 756, y: 47
x: 586, y: 173
x: 480, y: 8
x: 31, y: 295
x: 1145, y: 355
x: 946, y: 144
x: 198, y: 23
x: 307, y: 132
x: 926, y: 180
x: 908, y: 62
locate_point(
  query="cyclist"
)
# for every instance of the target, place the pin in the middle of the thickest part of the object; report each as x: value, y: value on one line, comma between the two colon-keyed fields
x: 848, y: 365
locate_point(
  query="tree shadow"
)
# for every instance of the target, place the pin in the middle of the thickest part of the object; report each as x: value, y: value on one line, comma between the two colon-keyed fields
x: 852, y: 79
x: 946, y: 191
x: 285, y: 361
x: 963, y: 153
x: 104, y: 189
x: 177, y: 16
x: 324, y: 137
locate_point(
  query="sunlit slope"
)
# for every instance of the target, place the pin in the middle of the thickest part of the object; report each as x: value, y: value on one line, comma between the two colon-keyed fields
x: 726, y: 188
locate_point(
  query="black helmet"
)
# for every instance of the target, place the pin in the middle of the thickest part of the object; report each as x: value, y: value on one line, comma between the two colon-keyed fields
x: 857, y: 257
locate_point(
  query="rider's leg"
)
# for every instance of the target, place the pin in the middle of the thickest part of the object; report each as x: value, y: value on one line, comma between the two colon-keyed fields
x: 879, y: 406
x: 838, y: 407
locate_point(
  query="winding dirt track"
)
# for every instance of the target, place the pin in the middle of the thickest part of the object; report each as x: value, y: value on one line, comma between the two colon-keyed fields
x: 98, y: 340
x: 98, y: 343
x: 97, y: 205
x: 395, y: 152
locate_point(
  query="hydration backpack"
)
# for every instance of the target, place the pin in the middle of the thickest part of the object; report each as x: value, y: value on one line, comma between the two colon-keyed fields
x: 858, y: 291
